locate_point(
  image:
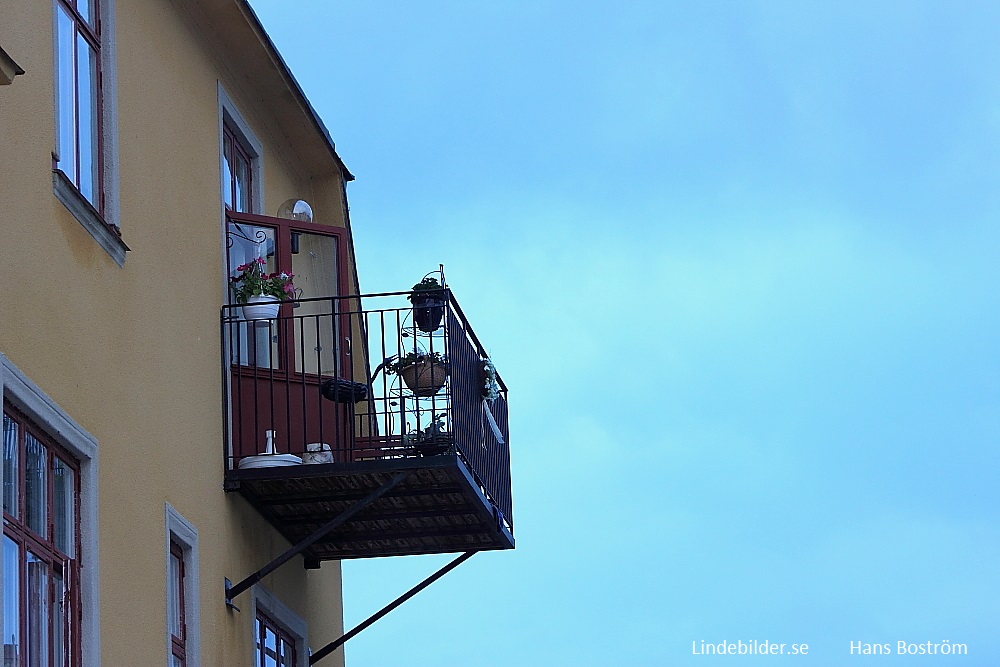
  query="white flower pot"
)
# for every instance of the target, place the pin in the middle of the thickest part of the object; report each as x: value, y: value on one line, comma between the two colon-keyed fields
x: 261, y: 307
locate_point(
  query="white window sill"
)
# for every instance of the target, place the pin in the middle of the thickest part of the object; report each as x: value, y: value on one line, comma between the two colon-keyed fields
x: 88, y: 216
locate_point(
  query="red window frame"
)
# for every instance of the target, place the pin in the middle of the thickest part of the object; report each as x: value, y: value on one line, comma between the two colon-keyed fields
x: 264, y: 623
x: 91, y: 33
x: 178, y: 645
x: 284, y: 228
x: 233, y: 153
x: 43, y: 547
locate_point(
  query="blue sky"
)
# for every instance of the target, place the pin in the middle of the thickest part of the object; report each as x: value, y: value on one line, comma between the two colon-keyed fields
x: 738, y: 263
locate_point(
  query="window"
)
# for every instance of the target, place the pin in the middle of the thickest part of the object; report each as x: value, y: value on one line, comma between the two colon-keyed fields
x: 183, y: 613
x: 244, y: 242
x: 50, y: 566
x: 78, y: 97
x: 175, y: 606
x: 240, y: 152
x: 40, y: 546
x: 275, y: 647
x: 84, y: 173
x: 237, y: 173
x: 279, y: 633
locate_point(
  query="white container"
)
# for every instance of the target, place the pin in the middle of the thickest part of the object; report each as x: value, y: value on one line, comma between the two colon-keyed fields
x: 269, y: 461
x: 261, y: 307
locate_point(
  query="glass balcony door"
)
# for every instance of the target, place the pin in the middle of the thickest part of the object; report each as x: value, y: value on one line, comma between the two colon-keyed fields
x: 252, y: 345
x: 318, y: 331
x: 277, y: 366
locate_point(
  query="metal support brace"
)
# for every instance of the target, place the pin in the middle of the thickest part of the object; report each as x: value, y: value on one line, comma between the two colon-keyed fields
x: 233, y: 591
x: 334, y: 645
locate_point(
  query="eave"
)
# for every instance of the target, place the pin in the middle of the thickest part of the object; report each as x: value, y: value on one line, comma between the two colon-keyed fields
x: 231, y: 30
x: 293, y: 84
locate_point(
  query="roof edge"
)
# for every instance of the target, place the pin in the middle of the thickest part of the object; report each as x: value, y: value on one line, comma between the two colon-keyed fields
x: 293, y: 84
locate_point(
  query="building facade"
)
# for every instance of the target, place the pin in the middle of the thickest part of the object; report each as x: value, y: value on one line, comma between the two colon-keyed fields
x: 154, y: 450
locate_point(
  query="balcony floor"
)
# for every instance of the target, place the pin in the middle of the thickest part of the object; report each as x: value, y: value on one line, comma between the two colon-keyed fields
x: 438, y: 508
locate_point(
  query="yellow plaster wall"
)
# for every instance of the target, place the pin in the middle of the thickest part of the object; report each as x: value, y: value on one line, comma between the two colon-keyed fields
x: 132, y: 353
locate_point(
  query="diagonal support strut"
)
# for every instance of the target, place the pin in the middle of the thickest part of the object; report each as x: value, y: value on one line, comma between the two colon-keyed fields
x: 233, y: 590
x: 334, y: 645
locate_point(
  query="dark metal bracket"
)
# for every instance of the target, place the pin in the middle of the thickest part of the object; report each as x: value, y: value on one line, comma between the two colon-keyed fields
x: 334, y: 645
x: 233, y: 590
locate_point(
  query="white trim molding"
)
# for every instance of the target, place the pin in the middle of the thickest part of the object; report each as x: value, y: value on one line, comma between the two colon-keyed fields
x: 279, y: 612
x: 104, y: 227
x: 230, y: 115
x: 38, y: 406
x: 183, y: 532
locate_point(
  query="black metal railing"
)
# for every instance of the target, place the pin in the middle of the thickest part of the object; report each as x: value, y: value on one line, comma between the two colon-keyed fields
x: 364, y: 378
x: 480, y: 421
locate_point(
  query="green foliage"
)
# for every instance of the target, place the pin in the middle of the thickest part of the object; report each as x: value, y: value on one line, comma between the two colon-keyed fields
x: 426, y: 285
x: 252, y: 281
x: 411, y: 358
x: 434, y: 431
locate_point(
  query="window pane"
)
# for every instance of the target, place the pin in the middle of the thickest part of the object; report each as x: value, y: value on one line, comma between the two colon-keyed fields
x: 287, y: 654
x: 11, y: 603
x: 64, y: 507
x: 260, y: 648
x: 65, y: 93
x: 88, y: 10
x: 37, y: 599
x: 256, y: 345
x: 270, y: 648
x: 316, y: 329
x: 227, y: 172
x: 174, y: 597
x: 10, y: 468
x: 87, y: 88
x: 60, y: 621
x: 35, y: 488
x: 242, y: 183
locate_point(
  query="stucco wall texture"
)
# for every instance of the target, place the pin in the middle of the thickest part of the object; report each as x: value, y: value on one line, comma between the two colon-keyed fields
x: 133, y: 353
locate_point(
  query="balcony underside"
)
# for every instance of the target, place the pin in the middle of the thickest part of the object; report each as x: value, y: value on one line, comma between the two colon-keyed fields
x: 437, y: 508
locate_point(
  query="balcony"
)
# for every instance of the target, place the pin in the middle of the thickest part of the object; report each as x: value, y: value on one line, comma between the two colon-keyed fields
x: 335, y: 399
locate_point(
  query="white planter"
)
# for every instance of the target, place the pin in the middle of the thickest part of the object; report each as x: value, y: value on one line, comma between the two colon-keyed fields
x: 269, y: 461
x: 261, y: 307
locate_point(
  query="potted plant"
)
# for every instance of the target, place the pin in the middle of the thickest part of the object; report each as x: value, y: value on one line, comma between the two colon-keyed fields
x: 427, y: 298
x: 432, y: 440
x: 259, y: 292
x: 423, y: 373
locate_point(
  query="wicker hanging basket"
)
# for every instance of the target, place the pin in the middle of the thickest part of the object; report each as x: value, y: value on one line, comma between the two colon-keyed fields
x: 423, y: 377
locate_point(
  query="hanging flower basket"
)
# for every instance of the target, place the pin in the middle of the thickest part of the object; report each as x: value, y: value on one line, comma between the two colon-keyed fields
x: 428, y: 311
x: 261, y: 307
x: 428, y: 299
x: 425, y: 376
x: 259, y: 292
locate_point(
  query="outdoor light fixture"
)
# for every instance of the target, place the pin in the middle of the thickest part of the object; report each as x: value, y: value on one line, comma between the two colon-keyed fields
x: 296, y: 209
